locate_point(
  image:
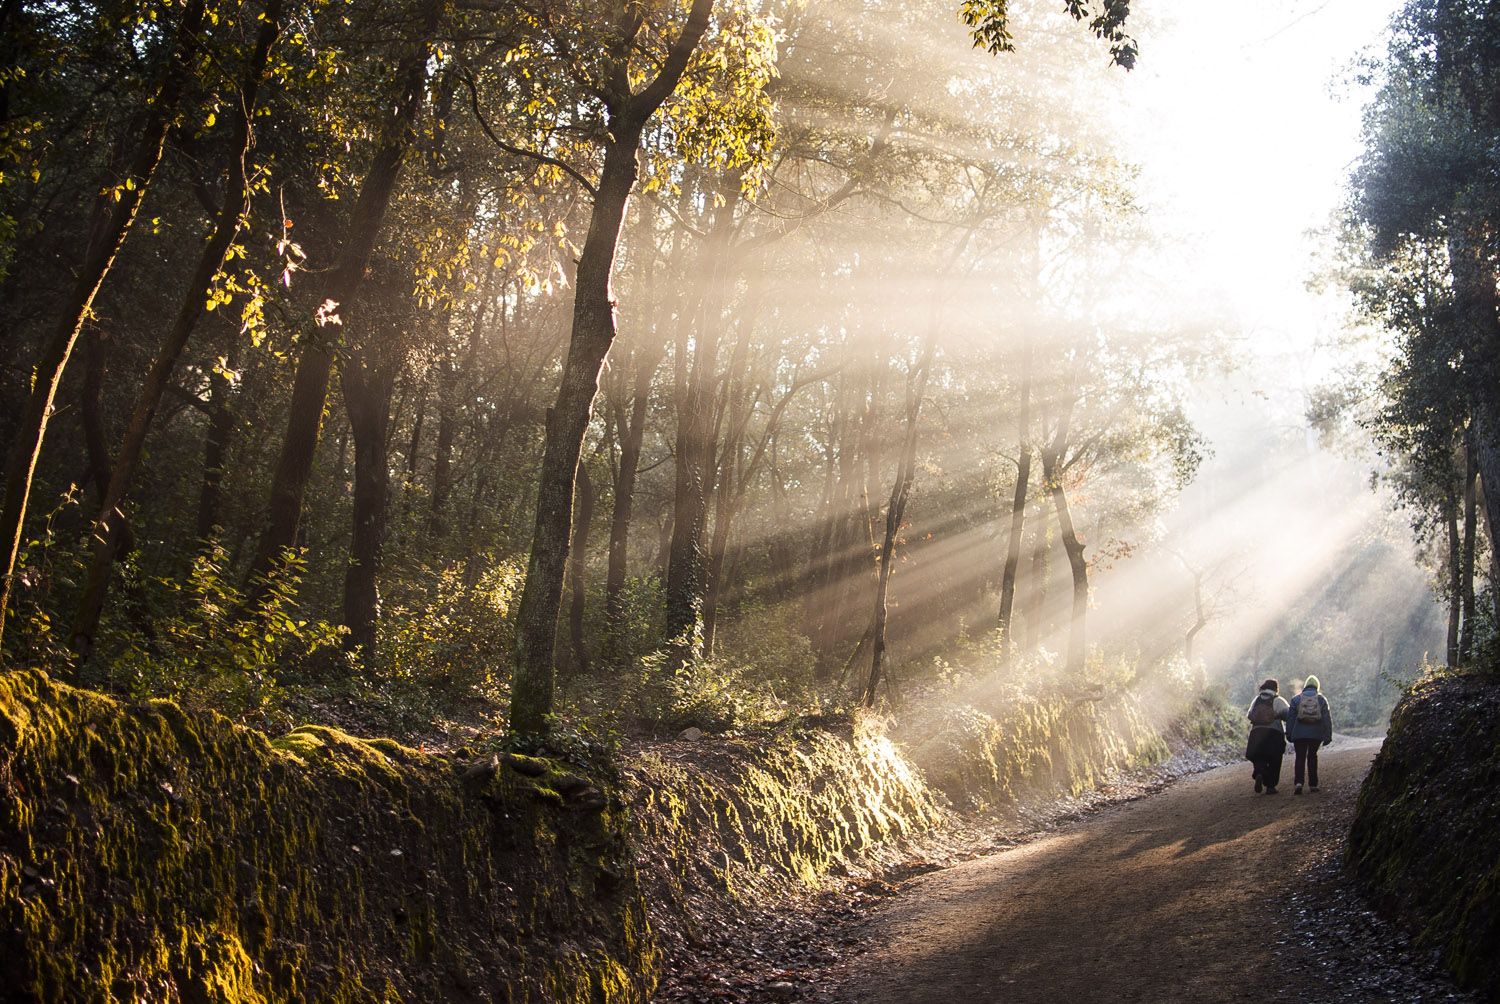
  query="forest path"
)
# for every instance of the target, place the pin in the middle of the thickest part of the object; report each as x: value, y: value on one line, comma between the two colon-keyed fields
x: 1181, y: 896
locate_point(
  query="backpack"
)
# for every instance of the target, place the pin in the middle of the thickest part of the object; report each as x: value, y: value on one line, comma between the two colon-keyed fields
x: 1309, y: 709
x: 1263, y: 711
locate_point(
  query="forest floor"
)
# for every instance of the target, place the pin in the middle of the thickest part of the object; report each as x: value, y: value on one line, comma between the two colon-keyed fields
x: 1200, y: 891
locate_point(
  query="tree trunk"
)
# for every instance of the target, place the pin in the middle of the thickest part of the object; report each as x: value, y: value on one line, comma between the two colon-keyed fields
x: 315, y: 365
x: 1052, y: 461
x: 442, y: 461
x: 695, y: 469
x: 578, y: 569
x: 1039, y: 577
x: 1475, y: 295
x: 1017, y: 512
x: 895, y: 513
x: 718, y: 545
x: 367, y: 400
x: 1455, y: 585
x: 91, y: 414
x: 1200, y: 619
x: 1466, y: 580
x: 567, y: 420
x: 108, y: 532
x: 114, y: 214
x: 414, y: 447
x: 632, y: 437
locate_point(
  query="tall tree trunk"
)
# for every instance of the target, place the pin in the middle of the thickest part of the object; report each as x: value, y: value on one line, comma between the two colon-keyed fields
x: 367, y: 400
x: 414, y: 447
x: 315, y: 364
x: 694, y: 469
x: 1466, y: 582
x: 1052, y: 469
x: 108, y: 535
x: 578, y: 569
x: 216, y: 450
x: 632, y: 437
x: 1200, y: 617
x: 725, y: 511
x: 895, y: 513
x: 1455, y: 585
x: 442, y: 461
x: 1475, y: 294
x: 567, y: 420
x: 91, y: 414
x: 1039, y: 579
x: 114, y: 214
x: 1017, y: 511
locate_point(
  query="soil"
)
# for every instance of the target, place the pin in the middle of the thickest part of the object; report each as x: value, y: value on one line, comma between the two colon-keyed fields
x: 1201, y: 892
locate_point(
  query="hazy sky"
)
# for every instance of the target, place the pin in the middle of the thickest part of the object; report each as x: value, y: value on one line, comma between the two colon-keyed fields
x: 1245, y: 120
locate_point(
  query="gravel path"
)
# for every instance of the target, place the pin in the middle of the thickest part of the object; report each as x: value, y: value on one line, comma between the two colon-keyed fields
x: 1204, y: 892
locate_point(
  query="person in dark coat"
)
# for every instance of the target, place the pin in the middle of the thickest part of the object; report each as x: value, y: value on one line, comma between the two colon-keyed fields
x: 1311, y: 726
x: 1267, y: 743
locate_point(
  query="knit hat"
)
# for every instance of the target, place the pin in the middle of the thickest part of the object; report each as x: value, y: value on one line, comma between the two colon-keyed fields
x: 1311, y: 681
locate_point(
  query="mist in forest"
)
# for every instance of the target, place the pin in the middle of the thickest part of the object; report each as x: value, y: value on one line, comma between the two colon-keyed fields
x: 910, y: 355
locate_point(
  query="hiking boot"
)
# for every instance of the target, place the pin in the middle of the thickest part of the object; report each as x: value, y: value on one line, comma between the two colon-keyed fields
x: 1259, y: 787
x: 1297, y: 790
x: 1312, y: 787
x: 1270, y: 791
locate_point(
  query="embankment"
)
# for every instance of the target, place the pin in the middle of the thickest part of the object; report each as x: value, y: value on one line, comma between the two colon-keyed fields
x: 150, y: 855
x: 1425, y: 844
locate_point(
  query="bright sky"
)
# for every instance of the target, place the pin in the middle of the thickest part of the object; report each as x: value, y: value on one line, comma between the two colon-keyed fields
x: 1245, y: 120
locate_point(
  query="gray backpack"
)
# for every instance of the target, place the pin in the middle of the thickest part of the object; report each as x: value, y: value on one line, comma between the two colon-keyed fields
x: 1310, y: 709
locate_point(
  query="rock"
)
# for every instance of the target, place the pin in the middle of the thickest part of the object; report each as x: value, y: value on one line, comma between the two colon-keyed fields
x: 481, y: 771
x: 571, y: 784
x: 528, y: 766
x: 782, y: 990
x: 591, y: 800
x: 691, y: 734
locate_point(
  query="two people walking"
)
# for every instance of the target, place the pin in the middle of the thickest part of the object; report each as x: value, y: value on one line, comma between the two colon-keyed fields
x: 1305, y: 721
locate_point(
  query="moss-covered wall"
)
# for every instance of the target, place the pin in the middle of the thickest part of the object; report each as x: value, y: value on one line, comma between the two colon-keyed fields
x: 1425, y: 845
x: 733, y: 822
x: 149, y: 856
x: 1009, y: 745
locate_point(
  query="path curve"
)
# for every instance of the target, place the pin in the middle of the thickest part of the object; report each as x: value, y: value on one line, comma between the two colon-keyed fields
x: 1176, y: 897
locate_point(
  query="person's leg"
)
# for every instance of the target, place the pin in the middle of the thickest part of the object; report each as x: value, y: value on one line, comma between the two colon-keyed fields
x: 1301, y: 764
x: 1312, y: 762
x: 1271, y: 772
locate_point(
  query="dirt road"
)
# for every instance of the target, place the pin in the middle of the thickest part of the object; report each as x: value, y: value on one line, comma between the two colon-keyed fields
x: 1182, y: 896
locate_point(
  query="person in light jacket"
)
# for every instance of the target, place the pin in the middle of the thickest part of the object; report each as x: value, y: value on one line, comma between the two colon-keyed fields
x: 1267, y: 743
x: 1310, y: 725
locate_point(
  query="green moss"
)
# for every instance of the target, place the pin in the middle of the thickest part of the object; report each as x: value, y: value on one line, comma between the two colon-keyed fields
x: 146, y: 854
x: 1425, y: 843
x: 1011, y: 746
